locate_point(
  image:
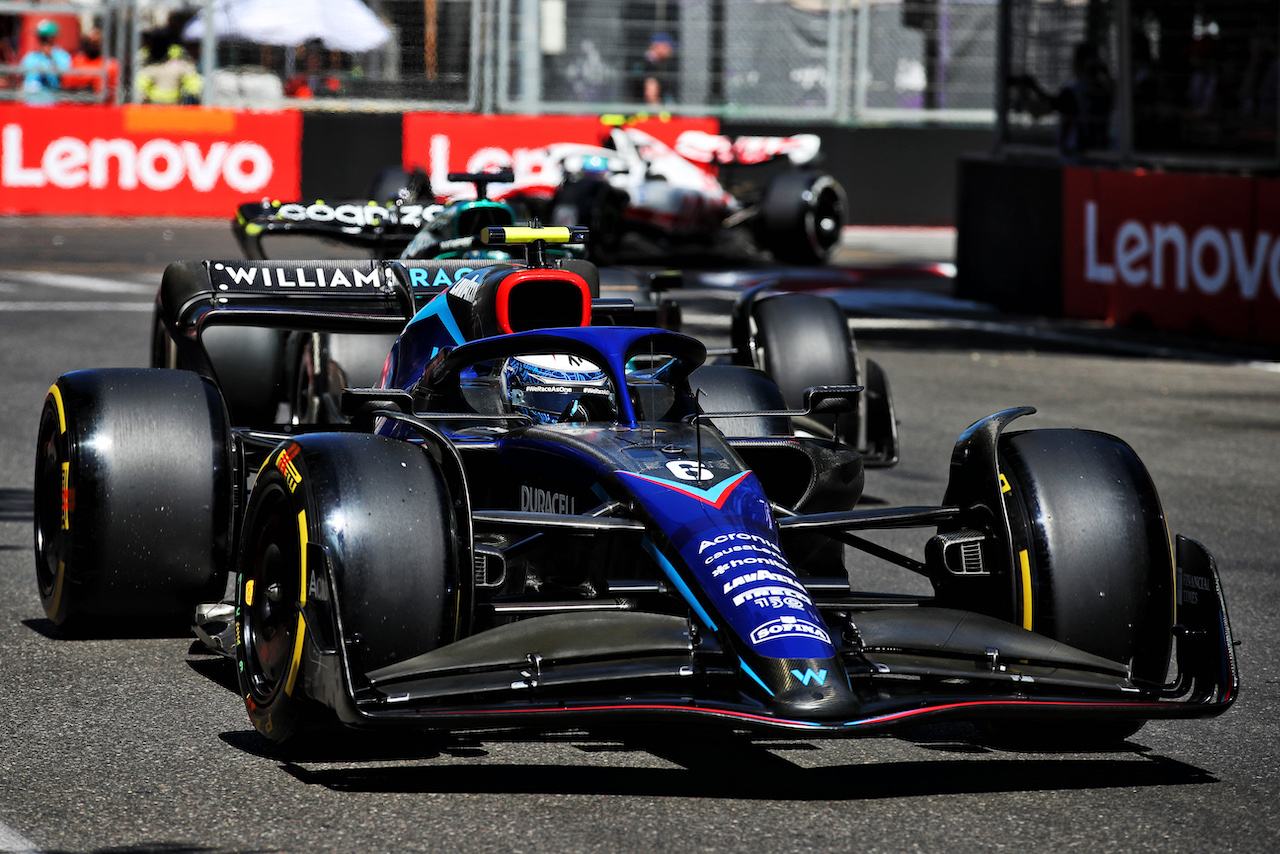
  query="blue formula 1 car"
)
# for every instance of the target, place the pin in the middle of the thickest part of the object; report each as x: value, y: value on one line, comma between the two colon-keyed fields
x: 539, y: 523
x: 261, y: 370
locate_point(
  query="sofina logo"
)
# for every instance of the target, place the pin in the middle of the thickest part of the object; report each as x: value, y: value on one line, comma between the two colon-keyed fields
x: 820, y: 677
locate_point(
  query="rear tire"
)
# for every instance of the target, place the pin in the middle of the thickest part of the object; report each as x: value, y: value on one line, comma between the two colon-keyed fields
x: 249, y: 363
x: 802, y: 216
x: 1084, y: 511
x: 600, y: 207
x: 132, y: 497
x: 380, y: 513
x: 395, y: 182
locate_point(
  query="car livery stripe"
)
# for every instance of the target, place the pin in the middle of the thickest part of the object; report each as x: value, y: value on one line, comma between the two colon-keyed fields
x: 800, y: 724
x: 439, y: 308
x: 715, y: 496
x: 670, y: 571
x: 747, y: 670
x: 1024, y: 561
x: 296, y: 664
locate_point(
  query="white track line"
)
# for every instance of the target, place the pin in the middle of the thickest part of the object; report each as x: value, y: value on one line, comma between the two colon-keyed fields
x: 12, y: 842
x: 78, y: 283
x: 51, y: 305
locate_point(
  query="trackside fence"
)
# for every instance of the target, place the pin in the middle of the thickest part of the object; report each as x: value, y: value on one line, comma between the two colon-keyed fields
x: 885, y: 62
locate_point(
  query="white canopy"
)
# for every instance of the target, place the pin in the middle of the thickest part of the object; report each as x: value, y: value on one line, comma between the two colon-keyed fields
x: 345, y: 25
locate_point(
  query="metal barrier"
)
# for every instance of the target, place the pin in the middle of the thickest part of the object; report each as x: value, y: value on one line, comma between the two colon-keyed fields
x: 848, y: 62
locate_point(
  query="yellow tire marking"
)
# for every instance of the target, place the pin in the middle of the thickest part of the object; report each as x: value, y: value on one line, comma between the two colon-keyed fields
x: 1173, y: 563
x: 1004, y: 483
x: 296, y: 664
x: 56, y: 599
x: 56, y: 394
x: 1025, y: 562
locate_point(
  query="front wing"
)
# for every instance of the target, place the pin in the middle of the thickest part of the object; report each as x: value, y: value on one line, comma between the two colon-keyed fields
x: 906, y: 666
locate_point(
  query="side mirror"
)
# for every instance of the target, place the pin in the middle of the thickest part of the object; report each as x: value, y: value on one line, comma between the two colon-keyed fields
x: 831, y: 399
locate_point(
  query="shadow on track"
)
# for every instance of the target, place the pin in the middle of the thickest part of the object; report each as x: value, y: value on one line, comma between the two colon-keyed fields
x: 713, y: 764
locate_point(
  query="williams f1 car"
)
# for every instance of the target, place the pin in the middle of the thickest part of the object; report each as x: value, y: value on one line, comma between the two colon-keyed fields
x: 261, y: 369
x: 536, y: 522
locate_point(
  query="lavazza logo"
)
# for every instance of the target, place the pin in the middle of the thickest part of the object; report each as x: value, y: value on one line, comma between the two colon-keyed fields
x: 159, y: 164
x: 1164, y: 255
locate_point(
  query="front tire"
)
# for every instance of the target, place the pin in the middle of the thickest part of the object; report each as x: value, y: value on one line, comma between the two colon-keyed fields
x: 1093, y: 563
x: 802, y: 340
x: 368, y: 520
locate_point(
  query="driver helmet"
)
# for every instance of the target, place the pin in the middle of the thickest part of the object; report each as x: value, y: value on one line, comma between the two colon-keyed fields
x: 544, y: 386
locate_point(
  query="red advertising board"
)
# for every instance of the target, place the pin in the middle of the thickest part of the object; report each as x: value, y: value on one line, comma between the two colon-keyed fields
x: 453, y: 142
x: 144, y: 160
x: 1181, y: 252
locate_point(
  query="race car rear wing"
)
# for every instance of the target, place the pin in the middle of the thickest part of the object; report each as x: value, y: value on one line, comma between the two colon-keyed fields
x: 315, y: 296
x: 383, y: 230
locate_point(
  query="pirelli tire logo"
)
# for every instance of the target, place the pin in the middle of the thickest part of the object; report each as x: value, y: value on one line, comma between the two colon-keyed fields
x: 284, y: 464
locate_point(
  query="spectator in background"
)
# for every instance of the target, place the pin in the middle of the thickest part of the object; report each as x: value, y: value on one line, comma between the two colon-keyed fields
x: 654, y: 77
x: 42, y: 68
x: 312, y: 81
x: 1083, y: 105
x: 87, y: 68
x: 174, y: 81
x: 8, y: 51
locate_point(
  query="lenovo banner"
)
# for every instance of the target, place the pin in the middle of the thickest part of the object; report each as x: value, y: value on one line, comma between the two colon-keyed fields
x: 442, y: 143
x: 144, y: 160
x: 1180, y: 252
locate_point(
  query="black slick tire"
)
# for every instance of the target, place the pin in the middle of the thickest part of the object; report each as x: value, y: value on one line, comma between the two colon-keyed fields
x: 801, y: 217
x: 735, y: 388
x: 132, y: 498
x: 366, y: 519
x: 1093, y: 563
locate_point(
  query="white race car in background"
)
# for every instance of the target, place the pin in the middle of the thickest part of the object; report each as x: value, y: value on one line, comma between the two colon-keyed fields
x: 636, y: 183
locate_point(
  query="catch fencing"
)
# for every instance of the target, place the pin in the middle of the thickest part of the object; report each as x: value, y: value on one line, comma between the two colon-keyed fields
x: 840, y: 61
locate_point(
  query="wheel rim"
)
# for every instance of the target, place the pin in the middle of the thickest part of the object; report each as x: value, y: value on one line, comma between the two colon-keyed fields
x: 759, y: 354
x: 823, y: 221
x: 306, y: 395
x: 270, y: 615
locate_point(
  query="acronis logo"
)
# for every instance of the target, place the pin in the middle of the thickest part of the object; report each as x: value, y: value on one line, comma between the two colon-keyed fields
x: 820, y: 677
